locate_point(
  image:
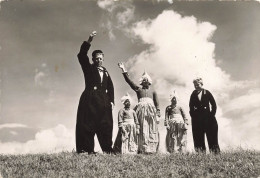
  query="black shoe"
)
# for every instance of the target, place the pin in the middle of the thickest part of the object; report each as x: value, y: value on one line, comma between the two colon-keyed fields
x: 92, y: 153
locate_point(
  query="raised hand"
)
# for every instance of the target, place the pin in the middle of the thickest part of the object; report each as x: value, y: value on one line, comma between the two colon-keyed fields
x: 91, y: 36
x: 122, y: 66
x: 94, y: 33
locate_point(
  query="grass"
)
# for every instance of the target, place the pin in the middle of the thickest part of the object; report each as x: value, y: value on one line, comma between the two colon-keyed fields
x: 240, y: 163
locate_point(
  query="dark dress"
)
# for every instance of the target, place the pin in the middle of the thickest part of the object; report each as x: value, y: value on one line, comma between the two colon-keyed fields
x: 94, y: 111
x: 204, y: 121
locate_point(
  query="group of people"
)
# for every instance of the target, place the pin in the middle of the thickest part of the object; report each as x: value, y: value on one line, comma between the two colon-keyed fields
x: 138, y: 128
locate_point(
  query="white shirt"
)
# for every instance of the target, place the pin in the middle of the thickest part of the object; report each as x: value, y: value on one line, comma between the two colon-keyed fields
x: 101, y: 73
x: 200, y: 95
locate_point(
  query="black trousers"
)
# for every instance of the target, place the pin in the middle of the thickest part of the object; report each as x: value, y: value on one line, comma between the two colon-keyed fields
x: 200, y: 127
x: 94, y: 118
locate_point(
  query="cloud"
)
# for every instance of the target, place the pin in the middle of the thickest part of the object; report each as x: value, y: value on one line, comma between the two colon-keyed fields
x: 244, y: 103
x: 12, y: 125
x: 51, y: 140
x: 124, y: 17
x: 13, y: 133
x: 118, y: 15
x: 178, y: 44
x: 180, y: 50
x: 169, y: 1
x: 41, y: 75
x: 106, y: 5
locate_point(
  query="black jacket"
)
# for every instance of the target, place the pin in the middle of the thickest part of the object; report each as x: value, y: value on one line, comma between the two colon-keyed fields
x: 202, y: 108
x: 91, y: 74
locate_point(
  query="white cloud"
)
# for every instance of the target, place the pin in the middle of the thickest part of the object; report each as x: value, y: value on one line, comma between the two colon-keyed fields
x: 118, y: 16
x: 244, y: 102
x: 51, y: 98
x: 169, y: 1
x: 41, y: 75
x: 123, y: 18
x: 38, y: 78
x: 12, y: 125
x: 106, y: 4
x: 13, y: 133
x: 180, y: 50
x: 52, y: 140
x: 178, y: 44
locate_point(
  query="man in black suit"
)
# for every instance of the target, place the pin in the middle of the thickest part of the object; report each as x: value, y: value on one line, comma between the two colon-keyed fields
x: 96, y: 102
x: 203, y: 118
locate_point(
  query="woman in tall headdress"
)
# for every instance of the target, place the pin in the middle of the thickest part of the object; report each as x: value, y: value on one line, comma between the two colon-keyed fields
x: 128, y: 128
x: 147, y: 111
x: 176, y: 124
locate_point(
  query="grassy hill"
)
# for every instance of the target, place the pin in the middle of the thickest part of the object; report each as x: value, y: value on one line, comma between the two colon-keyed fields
x: 239, y: 163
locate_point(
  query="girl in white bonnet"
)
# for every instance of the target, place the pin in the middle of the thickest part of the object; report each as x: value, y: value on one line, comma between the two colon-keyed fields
x: 176, y: 124
x: 126, y: 141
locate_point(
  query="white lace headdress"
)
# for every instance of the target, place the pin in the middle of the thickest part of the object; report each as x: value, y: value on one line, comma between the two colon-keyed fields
x: 174, y: 94
x: 126, y: 97
x: 145, y: 76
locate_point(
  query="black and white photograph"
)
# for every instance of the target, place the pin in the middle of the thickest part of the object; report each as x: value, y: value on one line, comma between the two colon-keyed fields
x: 129, y: 88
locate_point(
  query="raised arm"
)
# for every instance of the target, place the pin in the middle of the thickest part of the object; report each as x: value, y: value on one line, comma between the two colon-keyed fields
x: 126, y: 76
x: 82, y: 55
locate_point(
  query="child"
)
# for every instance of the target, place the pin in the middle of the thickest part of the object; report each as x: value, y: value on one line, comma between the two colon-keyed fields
x: 176, y: 124
x: 126, y: 141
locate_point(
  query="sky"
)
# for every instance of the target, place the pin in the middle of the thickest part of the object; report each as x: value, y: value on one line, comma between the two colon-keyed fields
x: 41, y: 80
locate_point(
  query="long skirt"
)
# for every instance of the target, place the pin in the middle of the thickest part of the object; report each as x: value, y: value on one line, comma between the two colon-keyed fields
x: 148, y: 139
x: 126, y: 141
x: 176, y: 138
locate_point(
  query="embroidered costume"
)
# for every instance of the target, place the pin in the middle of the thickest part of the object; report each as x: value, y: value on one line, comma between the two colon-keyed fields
x: 126, y: 141
x: 176, y: 138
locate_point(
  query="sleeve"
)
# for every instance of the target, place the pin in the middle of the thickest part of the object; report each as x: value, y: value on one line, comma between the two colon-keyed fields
x: 136, y: 120
x: 130, y: 82
x: 213, y: 104
x: 166, y: 120
x: 82, y: 55
x: 156, y: 100
x: 120, y: 118
x: 191, y: 105
x: 183, y: 115
x: 110, y: 88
